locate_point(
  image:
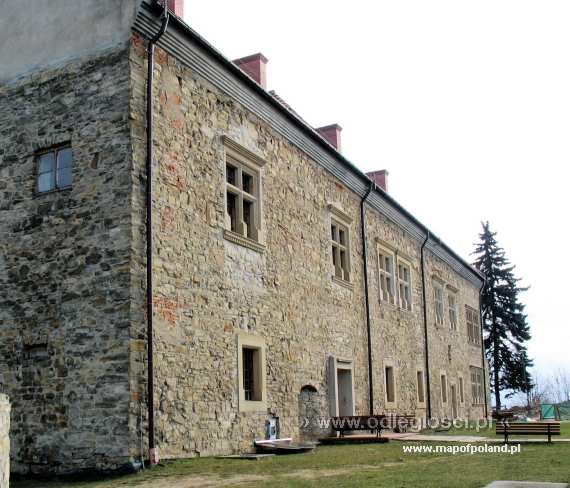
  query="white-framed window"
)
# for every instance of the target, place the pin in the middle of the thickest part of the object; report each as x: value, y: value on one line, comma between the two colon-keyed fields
x: 404, y: 284
x: 438, y: 302
x: 452, y: 308
x: 390, y: 383
x: 420, y: 384
x: 54, y: 169
x: 443, y: 388
x: 477, y: 385
x: 386, y: 275
x: 251, y: 373
x: 473, y: 326
x: 243, y: 193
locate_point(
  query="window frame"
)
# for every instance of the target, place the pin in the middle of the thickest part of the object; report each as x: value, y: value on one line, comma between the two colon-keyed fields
x: 384, y: 252
x: 439, y: 305
x: 249, y: 163
x: 342, y: 222
x: 444, y: 386
x: 54, y: 186
x: 477, y: 385
x: 420, y: 381
x: 453, y: 311
x: 461, y: 387
x: 473, y: 323
x: 401, y: 261
x: 390, y: 403
x: 257, y: 344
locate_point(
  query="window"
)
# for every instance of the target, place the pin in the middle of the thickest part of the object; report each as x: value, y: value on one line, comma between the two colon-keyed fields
x: 443, y: 388
x: 389, y: 379
x: 54, y: 169
x: 251, y: 371
x: 477, y: 388
x: 452, y: 308
x: 386, y: 275
x: 420, y: 383
x: 473, y: 331
x: 461, y: 393
x: 438, y: 298
x: 404, y: 285
x: 340, y: 250
x: 242, y: 199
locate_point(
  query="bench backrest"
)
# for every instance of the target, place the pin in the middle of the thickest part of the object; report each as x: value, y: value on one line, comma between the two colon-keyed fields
x: 529, y: 427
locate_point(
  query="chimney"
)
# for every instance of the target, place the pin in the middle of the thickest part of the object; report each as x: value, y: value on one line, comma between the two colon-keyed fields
x: 380, y: 178
x: 332, y: 134
x: 176, y: 7
x: 254, y: 66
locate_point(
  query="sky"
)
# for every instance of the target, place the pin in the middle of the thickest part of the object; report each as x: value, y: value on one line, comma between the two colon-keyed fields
x: 466, y: 104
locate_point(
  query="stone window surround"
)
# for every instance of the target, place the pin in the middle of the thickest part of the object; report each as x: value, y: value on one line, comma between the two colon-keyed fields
x: 249, y: 341
x: 389, y: 363
x: 461, y: 388
x: 473, y: 326
x: 438, y: 305
x: 477, y: 386
x: 385, y: 250
x: 37, y: 156
x: 404, y: 261
x: 340, y: 218
x: 254, y: 164
x: 420, y: 371
x: 453, y: 311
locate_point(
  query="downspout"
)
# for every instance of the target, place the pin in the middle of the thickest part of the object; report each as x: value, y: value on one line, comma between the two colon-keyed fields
x: 366, y: 300
x: 426, y: 352
x: 483, y: 348
x: 152, y: 453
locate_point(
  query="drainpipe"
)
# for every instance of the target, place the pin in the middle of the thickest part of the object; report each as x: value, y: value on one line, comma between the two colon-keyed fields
x: 366, y: 300
x: 426, y: 353
x: 483, y: 348
x: 152, y: 452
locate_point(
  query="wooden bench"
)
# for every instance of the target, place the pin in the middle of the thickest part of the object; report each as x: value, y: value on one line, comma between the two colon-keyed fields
x: 528, y: 428
x: 357, y: 422
x: 377, y: 423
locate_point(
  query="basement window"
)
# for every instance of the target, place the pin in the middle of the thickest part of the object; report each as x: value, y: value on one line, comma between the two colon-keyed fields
x: 54, y: 169
x: 251, y: 370
x: 390, y: 386
x: 420, y: 384
x: 443, y: 388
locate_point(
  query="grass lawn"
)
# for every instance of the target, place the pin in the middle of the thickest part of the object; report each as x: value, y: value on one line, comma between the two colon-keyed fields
x: 490, y: 432
x: 364, y: 465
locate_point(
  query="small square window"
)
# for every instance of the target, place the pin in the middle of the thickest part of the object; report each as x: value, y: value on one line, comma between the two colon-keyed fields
x: 54, y: 169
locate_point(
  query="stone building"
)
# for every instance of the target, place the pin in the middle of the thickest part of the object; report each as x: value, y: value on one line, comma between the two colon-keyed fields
x: 260, y: 303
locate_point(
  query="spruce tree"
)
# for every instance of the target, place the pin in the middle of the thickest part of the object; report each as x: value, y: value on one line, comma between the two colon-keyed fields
x: 505, y: 326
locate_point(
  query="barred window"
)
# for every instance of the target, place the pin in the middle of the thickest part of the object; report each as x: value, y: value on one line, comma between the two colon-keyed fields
x: 473, y: 326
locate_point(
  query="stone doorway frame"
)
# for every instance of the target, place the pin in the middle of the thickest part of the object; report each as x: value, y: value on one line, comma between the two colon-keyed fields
x: 337, y: 364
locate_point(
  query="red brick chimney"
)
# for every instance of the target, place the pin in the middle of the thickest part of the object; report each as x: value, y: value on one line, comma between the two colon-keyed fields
x: 176, y: 7
x: 380, y: 178
x: 254, y: 66
x: 332, y: 134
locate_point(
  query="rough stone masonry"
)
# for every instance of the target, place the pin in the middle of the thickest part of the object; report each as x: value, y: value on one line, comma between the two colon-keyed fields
x: 249, y: 328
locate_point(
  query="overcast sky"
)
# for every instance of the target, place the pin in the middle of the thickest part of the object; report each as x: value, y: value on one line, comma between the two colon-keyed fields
x: 467, y: 104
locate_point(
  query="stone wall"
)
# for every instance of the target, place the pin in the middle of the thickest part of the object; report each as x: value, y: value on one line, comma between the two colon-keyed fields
x: 4, y: 441
x: 209, y: 289
x: 64, y: 267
